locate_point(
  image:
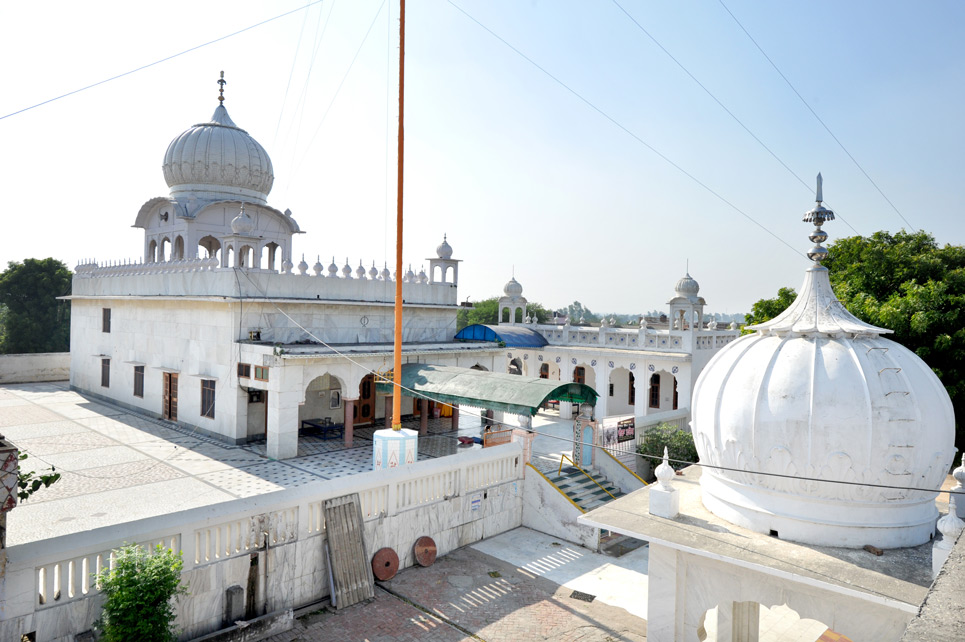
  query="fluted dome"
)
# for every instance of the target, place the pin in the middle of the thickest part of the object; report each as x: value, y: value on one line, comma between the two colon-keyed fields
x: 444, y: 251
x: 687, y: 287
x: 218, y: 157
x: 512, y: 288
x: 817, y: 393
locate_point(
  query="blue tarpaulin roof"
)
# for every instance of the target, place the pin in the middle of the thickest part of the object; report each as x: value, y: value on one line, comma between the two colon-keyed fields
x: 514, y: 336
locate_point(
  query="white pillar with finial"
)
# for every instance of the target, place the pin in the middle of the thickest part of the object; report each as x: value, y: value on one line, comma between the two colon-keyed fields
x: 950, y: 526
x: 664, y: 498
x: 959, y: 475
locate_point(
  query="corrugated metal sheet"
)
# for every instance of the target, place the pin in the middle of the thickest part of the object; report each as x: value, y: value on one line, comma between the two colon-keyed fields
x: 515, y: 394
x: 351, y: 570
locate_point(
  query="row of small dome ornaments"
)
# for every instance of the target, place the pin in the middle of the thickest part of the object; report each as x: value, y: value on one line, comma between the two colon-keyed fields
x: 88, y: 267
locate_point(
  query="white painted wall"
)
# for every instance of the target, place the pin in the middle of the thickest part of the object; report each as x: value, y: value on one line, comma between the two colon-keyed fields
x: 548, y: 511
x: 454, y: 500
x: 39, y: 366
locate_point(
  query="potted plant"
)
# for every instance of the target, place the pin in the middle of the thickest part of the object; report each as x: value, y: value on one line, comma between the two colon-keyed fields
x: 679, y: 443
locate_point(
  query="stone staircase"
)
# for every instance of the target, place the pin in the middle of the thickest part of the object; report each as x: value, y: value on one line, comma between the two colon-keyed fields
x: 581, y: 489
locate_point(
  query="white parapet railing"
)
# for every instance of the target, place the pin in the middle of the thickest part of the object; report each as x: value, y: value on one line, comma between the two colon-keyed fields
x: 63, y: 567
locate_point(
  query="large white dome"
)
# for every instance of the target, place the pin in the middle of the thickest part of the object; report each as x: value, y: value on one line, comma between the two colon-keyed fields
x: 818, y: 393
x: 218, y: 159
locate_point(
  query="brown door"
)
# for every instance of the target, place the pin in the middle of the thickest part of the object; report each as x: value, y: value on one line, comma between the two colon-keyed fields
x: 365, y: 408
x: 170, y: 395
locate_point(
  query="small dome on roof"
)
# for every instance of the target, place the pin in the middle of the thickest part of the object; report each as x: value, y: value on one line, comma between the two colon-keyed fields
x: 513, y: 288
x: 333, y: 269
x: 444, y: 251
x: 242, y: 224
x: 687, y: 286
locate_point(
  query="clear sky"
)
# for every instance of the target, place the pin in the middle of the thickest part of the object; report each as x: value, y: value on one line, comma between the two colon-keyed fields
x: 517, y: 170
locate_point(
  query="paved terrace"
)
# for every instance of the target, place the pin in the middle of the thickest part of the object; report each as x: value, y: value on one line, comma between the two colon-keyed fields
x: 118, y: 465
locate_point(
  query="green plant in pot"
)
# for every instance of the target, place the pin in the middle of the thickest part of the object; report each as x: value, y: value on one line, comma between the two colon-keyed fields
x: 679, y: 443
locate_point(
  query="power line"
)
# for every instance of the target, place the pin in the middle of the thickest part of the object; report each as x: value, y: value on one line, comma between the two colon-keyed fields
x: 337, y: 90
x: 157, y: 62
x: 625, y: 130
x: 415, y: 393
x: 814, y: 113
x: 806, y: 185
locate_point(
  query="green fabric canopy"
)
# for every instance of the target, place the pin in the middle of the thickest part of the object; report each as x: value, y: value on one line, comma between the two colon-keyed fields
x: 492, y: 390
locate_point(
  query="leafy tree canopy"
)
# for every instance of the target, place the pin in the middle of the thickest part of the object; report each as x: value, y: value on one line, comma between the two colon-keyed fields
x: 487, y: 312
x: 905, y: 282
x: 34, y: 320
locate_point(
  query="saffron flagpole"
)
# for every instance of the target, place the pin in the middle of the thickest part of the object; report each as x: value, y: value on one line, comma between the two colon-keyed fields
x: 397, y: 352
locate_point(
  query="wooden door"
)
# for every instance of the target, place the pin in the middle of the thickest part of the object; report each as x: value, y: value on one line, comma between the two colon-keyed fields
x: 365, y: 408
x: 170, y: 395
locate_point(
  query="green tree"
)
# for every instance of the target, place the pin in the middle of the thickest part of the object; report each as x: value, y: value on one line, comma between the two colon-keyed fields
x: 139, y: 592
x: 487, y: 312
x: 907, y: 283
x: 767, y: 309
x: 35, y: 320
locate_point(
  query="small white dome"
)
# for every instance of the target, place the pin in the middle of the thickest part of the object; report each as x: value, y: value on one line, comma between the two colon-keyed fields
x: 373, y: 272
x: 360, y: 272
x: 242, y: 224
x: 444, y: 251
x: 333, y: 269
x: 687, y: 287
x: 386, y: 275
x: 513, y: 288
x: 347, y: 270
x: 220, y: 157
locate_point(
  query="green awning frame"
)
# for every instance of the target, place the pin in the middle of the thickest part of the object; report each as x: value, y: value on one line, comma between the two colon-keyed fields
x: 514, y: 394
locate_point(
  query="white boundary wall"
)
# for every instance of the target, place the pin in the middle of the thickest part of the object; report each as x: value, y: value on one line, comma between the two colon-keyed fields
x: 39, y: 366
x: 455, y: 500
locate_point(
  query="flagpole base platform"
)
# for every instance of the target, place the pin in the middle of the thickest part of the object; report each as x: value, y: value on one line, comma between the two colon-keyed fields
x: 394, y: 448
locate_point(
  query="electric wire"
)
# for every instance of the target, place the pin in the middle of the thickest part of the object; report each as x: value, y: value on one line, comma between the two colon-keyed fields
x: 291, y: 74
x: 165, y: 59
x: 818, y: 118
x: 337, y: 90
x: 300, y: 105
x: 418, y: 394
x: 619, y: 125
x: 807, y: 186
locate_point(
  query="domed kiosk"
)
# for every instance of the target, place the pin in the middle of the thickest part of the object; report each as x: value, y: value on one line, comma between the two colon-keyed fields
x: 812, y: 427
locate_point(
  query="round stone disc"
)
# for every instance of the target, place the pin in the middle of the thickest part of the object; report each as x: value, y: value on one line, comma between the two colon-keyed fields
x: 425, y: 551
x: 385, y: 564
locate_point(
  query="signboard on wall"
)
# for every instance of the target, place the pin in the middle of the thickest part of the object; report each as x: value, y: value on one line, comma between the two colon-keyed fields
x: 626, y: 430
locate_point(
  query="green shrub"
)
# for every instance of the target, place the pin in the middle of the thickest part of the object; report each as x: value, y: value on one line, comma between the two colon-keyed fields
x: 679, y: 444
x: 139, y: 591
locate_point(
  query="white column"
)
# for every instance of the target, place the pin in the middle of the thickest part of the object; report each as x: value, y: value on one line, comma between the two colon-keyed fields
x: 284, y: 393
x: 566, y: 376
x: 665, y: 596
x: 738, y: 621
x: 602, y: 375
x: 641, y: 382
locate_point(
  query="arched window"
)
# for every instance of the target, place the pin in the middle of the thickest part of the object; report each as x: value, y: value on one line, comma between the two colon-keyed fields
x: 210, y: 245
x: 632, y: 398
x: 675, y: 393
x: 152, y: 252
x: 544, y: 371
x: 655, y: 391
x: 164, y: 251
x: 178, y: 252
x: 579, y: 374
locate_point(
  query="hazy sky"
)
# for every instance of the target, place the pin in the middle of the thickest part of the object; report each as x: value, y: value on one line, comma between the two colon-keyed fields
x: 513, y: 166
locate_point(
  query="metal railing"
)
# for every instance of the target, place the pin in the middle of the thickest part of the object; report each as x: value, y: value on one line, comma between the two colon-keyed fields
x: 579, y: 468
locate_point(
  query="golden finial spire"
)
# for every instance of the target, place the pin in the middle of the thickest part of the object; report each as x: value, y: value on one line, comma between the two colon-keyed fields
x: 222, y: 82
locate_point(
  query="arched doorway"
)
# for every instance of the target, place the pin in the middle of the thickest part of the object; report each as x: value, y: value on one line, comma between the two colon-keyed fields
x: 662, y: 392
x: 323, y: 399
x: 515, y: 366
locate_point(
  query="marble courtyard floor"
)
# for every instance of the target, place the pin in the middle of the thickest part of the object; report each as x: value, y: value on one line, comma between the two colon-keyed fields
x: 118, y: 465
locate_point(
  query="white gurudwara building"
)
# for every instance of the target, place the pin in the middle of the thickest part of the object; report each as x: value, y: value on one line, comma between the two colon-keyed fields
x: 822, y: 449
x: 215, y: 330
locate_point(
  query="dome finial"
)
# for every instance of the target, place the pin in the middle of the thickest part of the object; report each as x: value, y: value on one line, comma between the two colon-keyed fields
x: 819, y: 216
x: 222, y: 82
